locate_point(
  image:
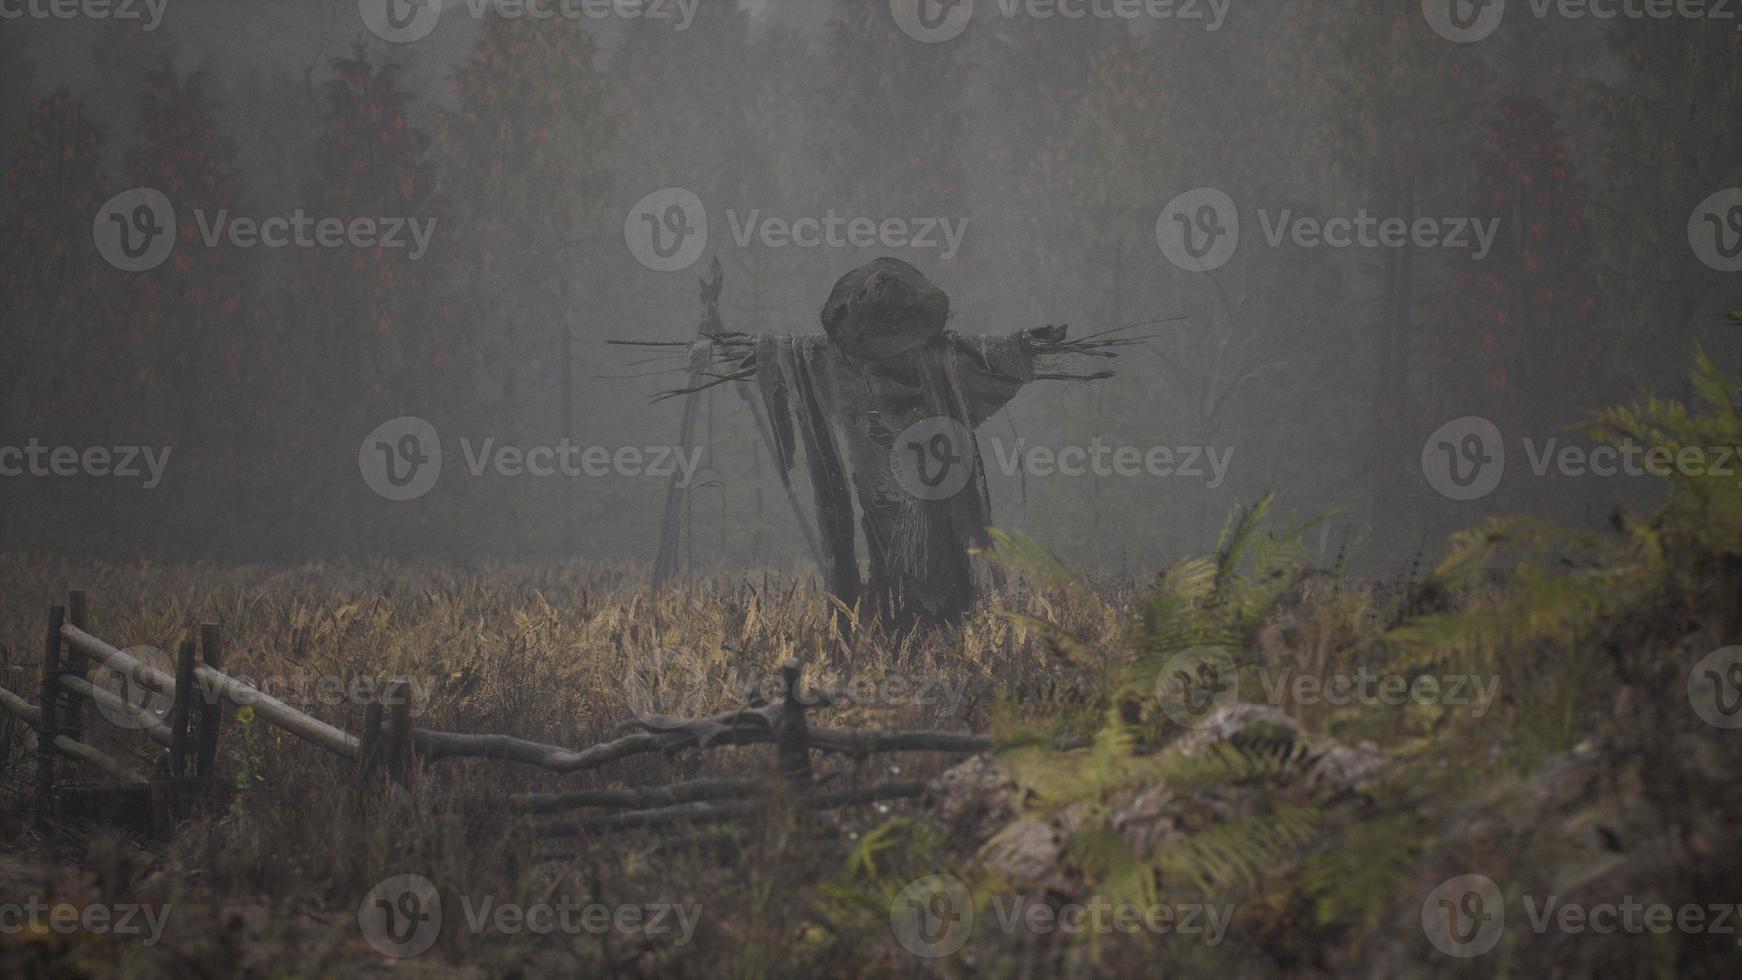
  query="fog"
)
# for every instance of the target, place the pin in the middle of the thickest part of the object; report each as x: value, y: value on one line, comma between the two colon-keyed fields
x: 1452, y: 238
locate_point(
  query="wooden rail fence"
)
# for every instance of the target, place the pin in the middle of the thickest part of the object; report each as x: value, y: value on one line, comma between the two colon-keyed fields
x: 198, y: 689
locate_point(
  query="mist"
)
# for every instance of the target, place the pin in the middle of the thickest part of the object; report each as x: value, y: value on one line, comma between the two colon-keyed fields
x: 1435, y: 238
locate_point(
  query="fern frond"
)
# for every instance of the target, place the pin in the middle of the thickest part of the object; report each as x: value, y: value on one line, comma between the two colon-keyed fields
x: 1236, y: 854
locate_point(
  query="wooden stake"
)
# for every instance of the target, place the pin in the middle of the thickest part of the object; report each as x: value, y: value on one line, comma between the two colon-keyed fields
x: 401, y: 756
x: 45, y: 731
x: 791, y: 740
x: 181, y: 708
x: 211, y: 705
x: 369, y: 752
x: 72, y: 715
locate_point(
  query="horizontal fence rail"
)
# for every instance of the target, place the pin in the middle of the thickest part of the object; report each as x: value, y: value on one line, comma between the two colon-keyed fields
x: 266, y: 706
x: 707, y: 812
x: 32, y: 716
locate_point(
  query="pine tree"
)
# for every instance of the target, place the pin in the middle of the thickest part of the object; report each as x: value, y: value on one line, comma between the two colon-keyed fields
x: 531, y: 142
x: 51, y: 279
x: 1512, y: 336
x: 1679, y: 77
x: 376, y: 327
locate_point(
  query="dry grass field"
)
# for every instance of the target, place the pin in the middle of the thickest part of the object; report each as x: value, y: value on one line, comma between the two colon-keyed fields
x: 1247, y: 764
x: 553, y: 654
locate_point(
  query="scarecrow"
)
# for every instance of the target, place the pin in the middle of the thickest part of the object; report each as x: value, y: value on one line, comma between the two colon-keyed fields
x: 884, y: 404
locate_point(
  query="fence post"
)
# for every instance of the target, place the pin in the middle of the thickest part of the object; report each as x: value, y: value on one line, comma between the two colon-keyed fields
x: 401, y: 759
x: 180, y: 709
x: 72, y: 715
x: 211, y: 706
x: 792, y: 736
x: 369, y: 745
x: 45, y: 733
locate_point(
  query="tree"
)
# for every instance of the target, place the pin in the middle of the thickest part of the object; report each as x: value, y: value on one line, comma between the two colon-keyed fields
x: 51, y: 280
x: 530, y: 143
x: 375, y: 327
x: 1677, y: 77
x: 1512, y: 334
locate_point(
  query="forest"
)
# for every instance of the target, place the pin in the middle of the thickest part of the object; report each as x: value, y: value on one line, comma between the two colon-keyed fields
x: 870, y: 488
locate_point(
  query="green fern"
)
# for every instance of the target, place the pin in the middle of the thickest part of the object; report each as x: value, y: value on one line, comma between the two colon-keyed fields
x: 886, y: 836
x: 1352, y: 880
x: 1024, y: 554
x: 1235, y: 855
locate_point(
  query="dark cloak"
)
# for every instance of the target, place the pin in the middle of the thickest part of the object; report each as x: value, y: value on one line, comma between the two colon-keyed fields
x: 848, y: 411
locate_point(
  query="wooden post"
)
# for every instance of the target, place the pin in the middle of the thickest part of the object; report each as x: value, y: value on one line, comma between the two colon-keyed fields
x: 401, y: 756
x: 665, y: 560
x: 45, y: 731
x: 369, y: 749
x: 72, y: 715
x: 791, y: 737
x: 181, y: 708
x: 211, y: 706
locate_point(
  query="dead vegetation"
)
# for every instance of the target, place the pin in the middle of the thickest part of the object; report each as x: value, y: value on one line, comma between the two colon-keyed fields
x: 1577, y: 766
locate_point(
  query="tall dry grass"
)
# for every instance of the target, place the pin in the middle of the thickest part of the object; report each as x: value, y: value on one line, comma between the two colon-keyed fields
x: 553, y: 653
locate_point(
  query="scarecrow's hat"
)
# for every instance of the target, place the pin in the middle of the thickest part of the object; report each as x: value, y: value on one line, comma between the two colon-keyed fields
x: 883, y: 309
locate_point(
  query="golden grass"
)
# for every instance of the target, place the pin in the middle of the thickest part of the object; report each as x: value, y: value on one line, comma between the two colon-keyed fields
x: 553, y: 653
